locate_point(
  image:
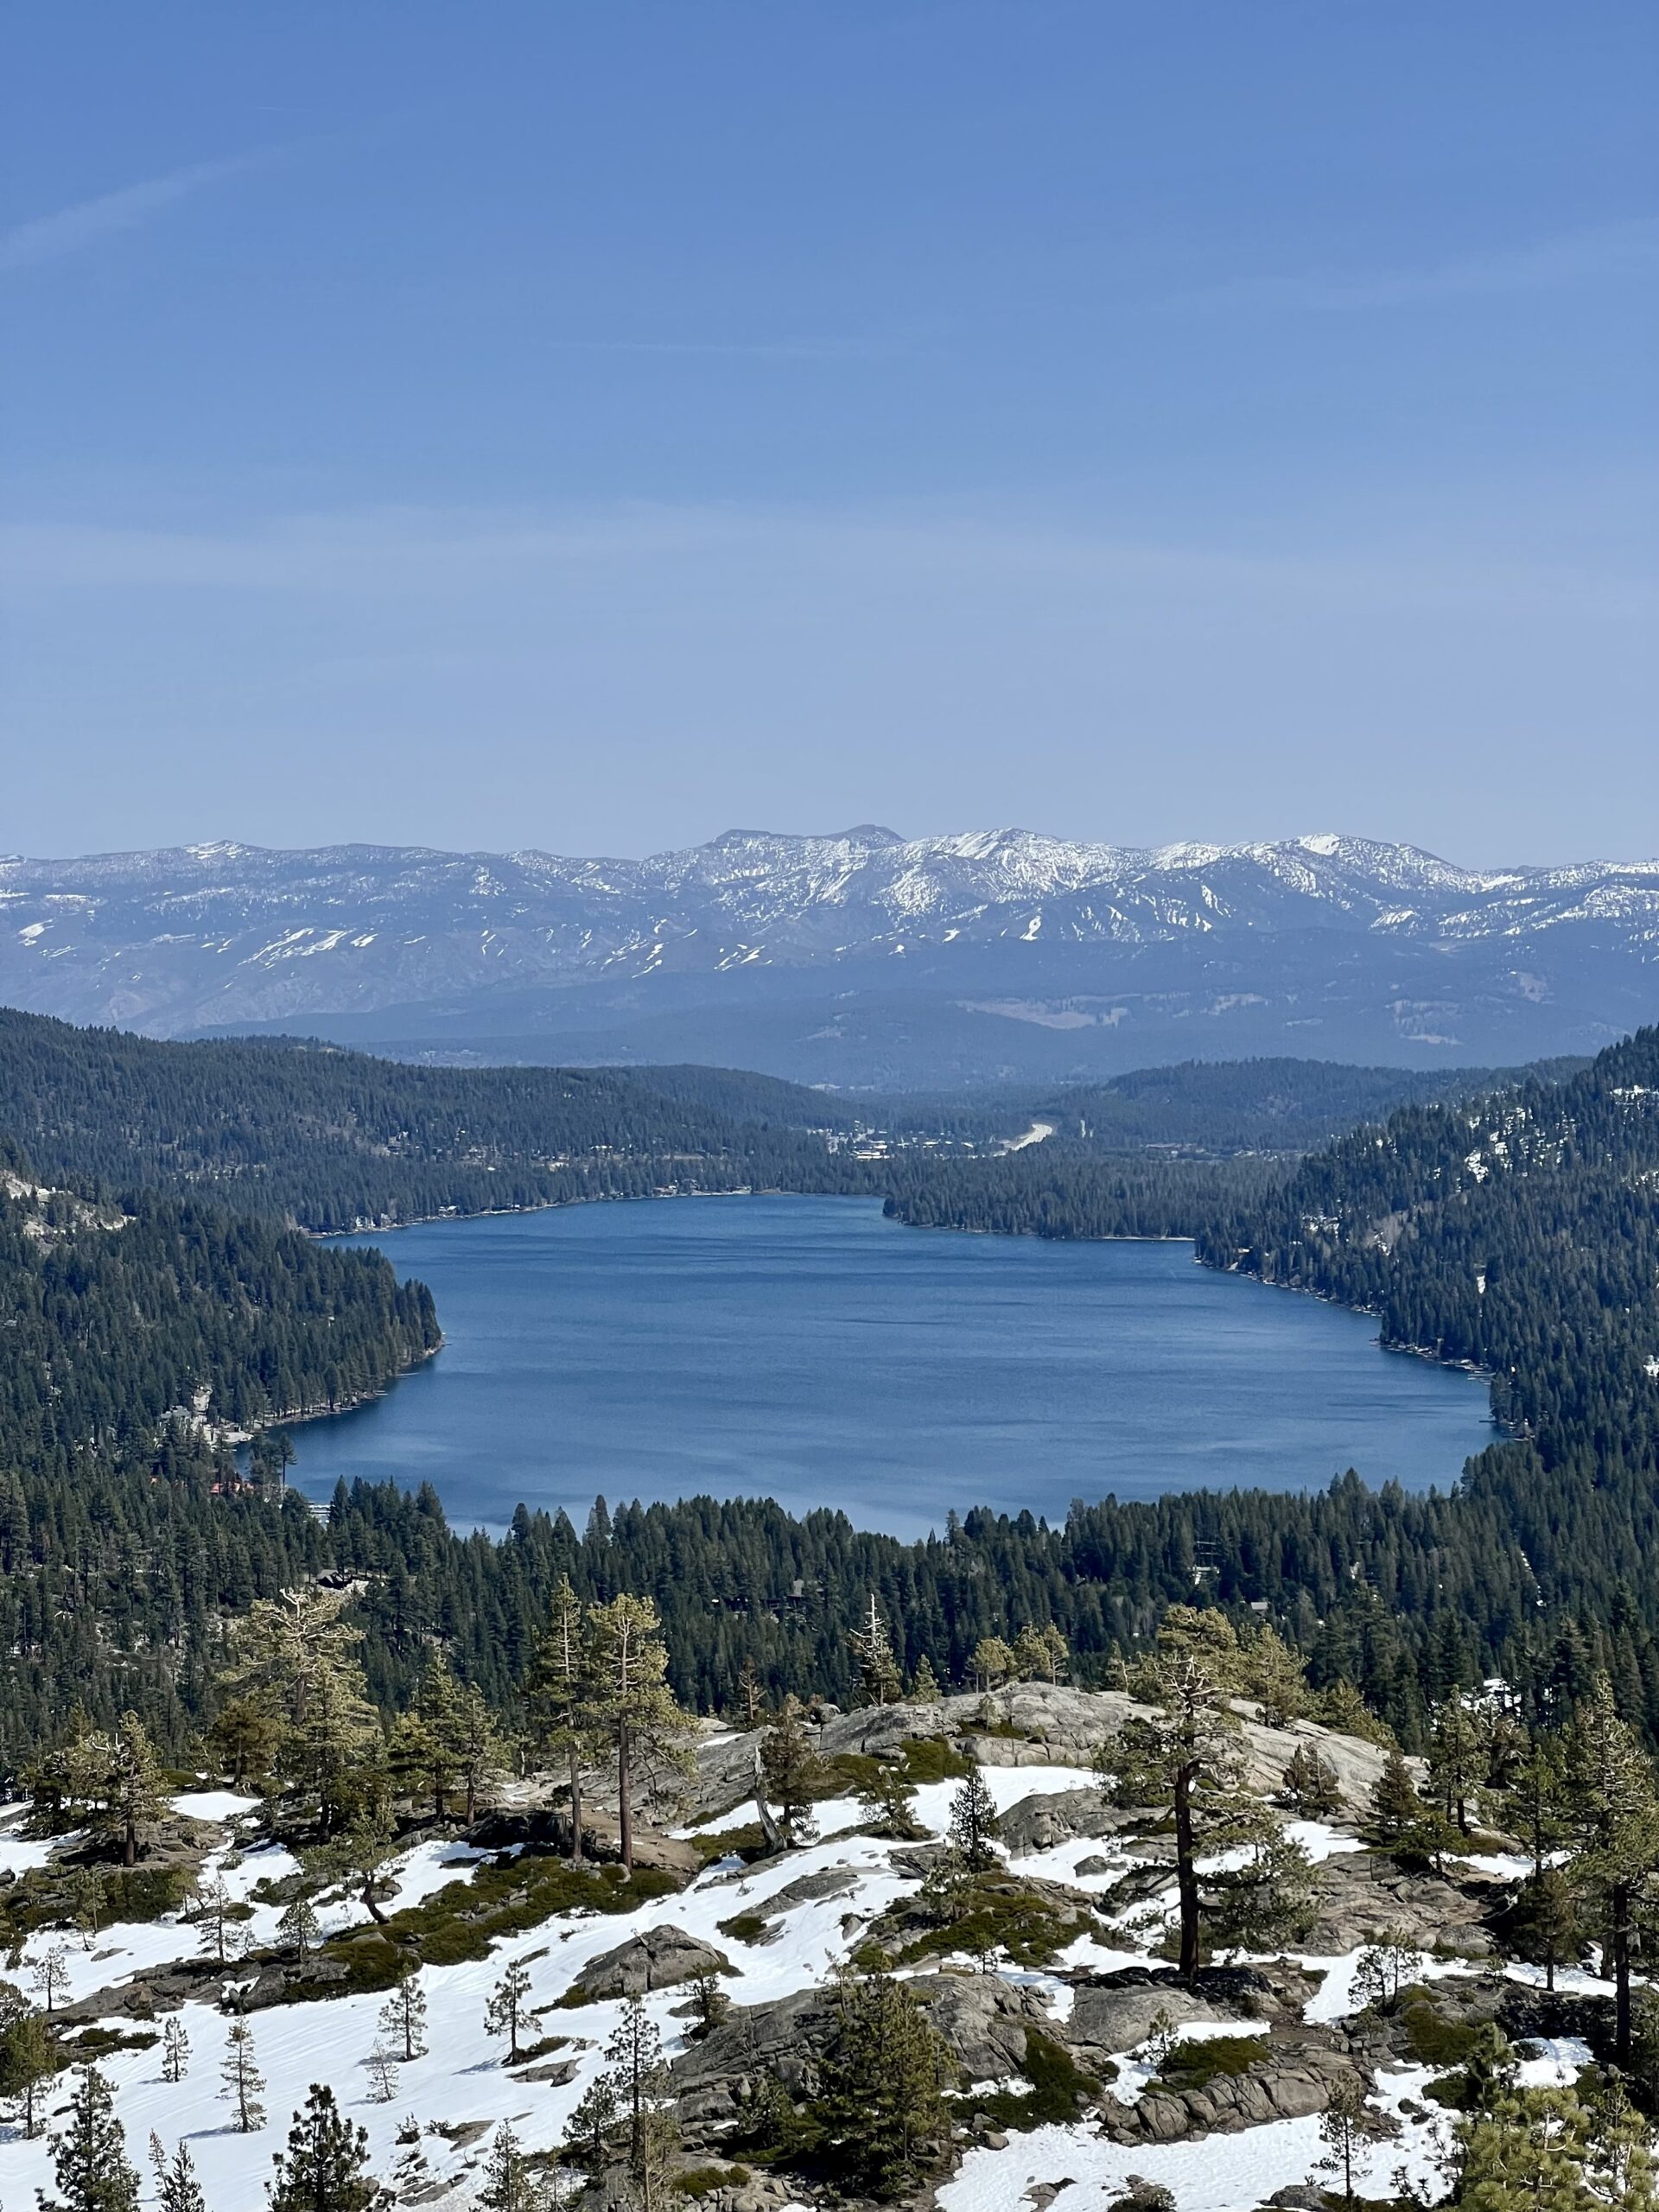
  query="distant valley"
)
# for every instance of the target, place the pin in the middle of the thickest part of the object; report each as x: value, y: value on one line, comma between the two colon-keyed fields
x: 862, y: 960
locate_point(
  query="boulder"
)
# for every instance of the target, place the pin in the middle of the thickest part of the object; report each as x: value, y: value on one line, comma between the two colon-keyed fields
x: 1031, y: 1723
x: 983, y: 2019
x: 1362, y: 1893
x: 658, y: 1958
x: 1295, y: 2079
x: 1038, y: 1823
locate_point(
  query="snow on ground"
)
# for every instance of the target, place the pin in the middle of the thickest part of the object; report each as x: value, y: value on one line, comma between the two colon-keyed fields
x: 461, y: 2078
x: 1321, y: 1841
x: 1335, y: 1999
x: 213, y: 1804
x: 18, y: 1853
x: 1217, y: 2173
x: 1222, y: 2173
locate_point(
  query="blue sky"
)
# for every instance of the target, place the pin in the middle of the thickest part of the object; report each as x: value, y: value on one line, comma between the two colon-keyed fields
x: 591, y: 426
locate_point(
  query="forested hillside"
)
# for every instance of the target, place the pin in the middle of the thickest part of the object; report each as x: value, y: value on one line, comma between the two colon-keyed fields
x: 335, y: 1140
x: 1264, y: 1105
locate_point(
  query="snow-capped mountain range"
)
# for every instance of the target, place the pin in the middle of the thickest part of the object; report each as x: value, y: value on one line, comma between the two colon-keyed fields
x: 999, y: 953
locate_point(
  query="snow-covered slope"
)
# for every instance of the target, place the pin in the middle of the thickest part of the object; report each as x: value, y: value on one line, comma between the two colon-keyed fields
x: 1013, y: 927
x: 460, y: 2089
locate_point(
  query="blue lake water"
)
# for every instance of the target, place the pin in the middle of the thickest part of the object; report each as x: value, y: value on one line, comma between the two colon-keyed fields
x: 808, y: 1349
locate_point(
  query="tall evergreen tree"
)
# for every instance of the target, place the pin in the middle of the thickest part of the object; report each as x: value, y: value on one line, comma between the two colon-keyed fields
x: 177, y: 2189
x: 403, y: 2017
x: 1614, y: 1807
x: 89, y: 2155
x: 325, y: 2167
x: 505, y: 2013
x: 879, y: 2104
x: 1188, y: 1762
x: 559, y: 1693
x: 631, y: 1702
x: 244, y: 2083
x: 974, y: 1824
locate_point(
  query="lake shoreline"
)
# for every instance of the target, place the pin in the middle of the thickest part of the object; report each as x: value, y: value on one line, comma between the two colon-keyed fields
x: 805, y: 1355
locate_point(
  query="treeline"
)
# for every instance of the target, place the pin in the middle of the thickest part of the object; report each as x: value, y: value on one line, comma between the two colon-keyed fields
x: 114, y: 1320
x: 1263, y: 1105
x: 333, y: 1139
x: 1048, y: 1190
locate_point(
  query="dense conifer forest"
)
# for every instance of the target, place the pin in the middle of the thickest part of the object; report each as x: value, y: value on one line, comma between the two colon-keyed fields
x: 1516, y: 1230
x: 332, y: 1140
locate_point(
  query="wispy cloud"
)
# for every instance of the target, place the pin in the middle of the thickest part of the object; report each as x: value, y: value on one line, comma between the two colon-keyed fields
x: 1574, y: 257
x: 71, y: 230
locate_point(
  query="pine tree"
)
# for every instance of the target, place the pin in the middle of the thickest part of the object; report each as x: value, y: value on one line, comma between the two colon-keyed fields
x: 177, y: 2189
x: 1529, y: 2150
x: 793, y: 1770
x: 359, y: 1856
x: 242, y: 2081
x: 644, y: 2091
x: 632, y: 1703
x: 1543, y: 1926
x: 476, y: 1748
x: 509, y: 2183
x: 1395, y: 1806
x: 1311, y: 1786
x: 709, y: 2003
x: 1454, y: 1762
x: 974, y: 1824
x: 220, y: 1919
x: 1384, y: 1970
x: 1269, y: 1901
x: 403, y: 2017
x: 925, y: 1685
x: 1533, y: 1800
x: 992, y: 1662
x: 505, y: 2012
x: 135, y: 1783
x: 594, y: 2121
x: 1618, y: 2143
x: 50, y: 1975
x: 1267, y: 1670
x: 383, y: 2073
x: 299, y: 1927
x: 1343, y: 2127
x: 28, y: 2059
x: 297, y: 1656
x: 89, y: 2155
x: 1188, y: 1760
x: 751, y: 1700
x: 559, y: 1692
x: 880, y: 2105
x: 176, y: 2050
x: 879, y: 1680
x: 325, y: 2167
x: 888, y: 1800
x: 1615, y: 1815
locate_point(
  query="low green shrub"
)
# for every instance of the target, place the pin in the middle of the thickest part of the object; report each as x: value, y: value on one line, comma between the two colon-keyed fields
x: 1057, y: 2085
x: 1195, y: 2062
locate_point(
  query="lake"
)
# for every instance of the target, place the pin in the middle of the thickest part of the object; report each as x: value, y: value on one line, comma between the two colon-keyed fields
x: 810, y: 1350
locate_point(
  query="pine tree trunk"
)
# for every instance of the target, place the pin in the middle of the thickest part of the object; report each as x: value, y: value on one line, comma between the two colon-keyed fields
x: 576, y: 1804
x: 130, y: 1844
x: 1621, y: 1934
x: 1186, y: 1874
x: 625, y: 1795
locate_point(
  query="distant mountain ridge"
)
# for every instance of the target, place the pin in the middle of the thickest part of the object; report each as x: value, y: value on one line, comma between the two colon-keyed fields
x: 859, y: 957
